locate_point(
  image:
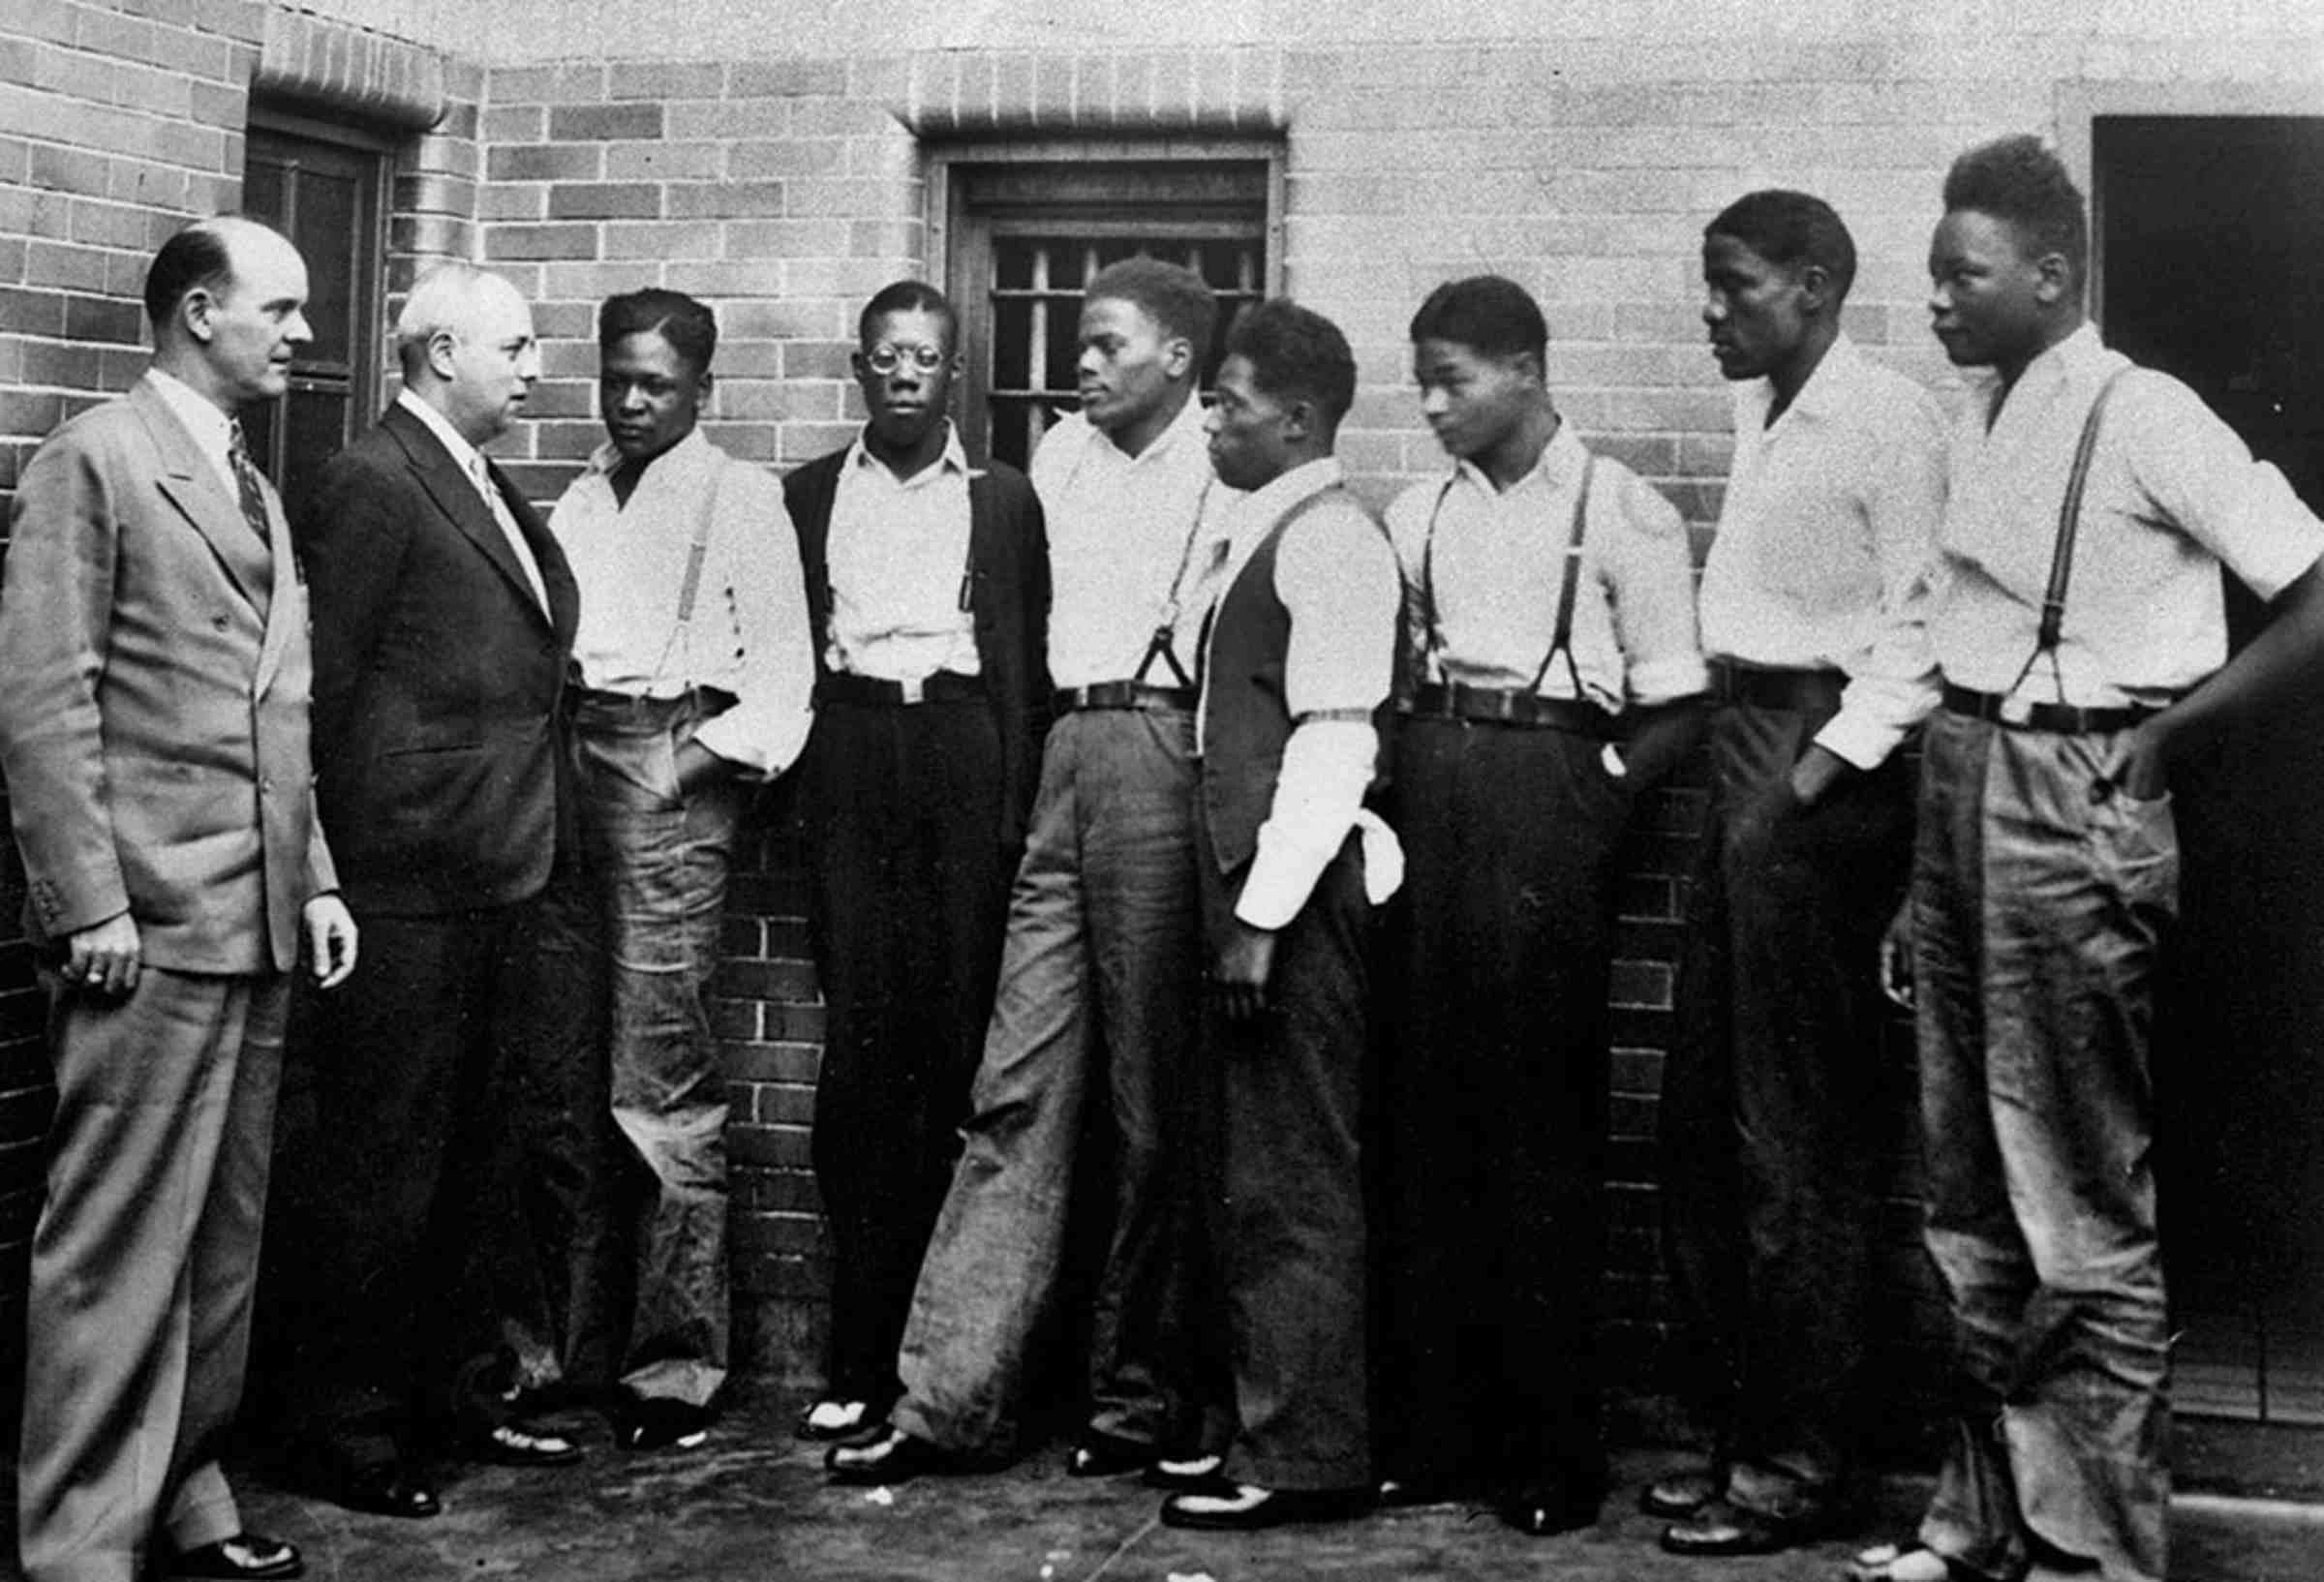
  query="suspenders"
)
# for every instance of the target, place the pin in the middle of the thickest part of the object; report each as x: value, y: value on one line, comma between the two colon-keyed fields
x: 1561, y: 642
x: 2062, y: 556
x: 1163, y: 645
x: 698, y: 550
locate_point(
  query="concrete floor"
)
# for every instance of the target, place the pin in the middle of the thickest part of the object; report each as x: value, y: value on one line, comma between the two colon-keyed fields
x: 752, y: 1505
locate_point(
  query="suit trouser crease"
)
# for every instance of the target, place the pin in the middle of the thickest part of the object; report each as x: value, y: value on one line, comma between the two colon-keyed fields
x: 143, y: 1264
x: 1099, y: 984
x: 1285, y: 1093
x: 415, y: 1057
x: 910, y: 886
x: 1773, y: 1107
x: 1493, y: 1106
x: 2042, y: 898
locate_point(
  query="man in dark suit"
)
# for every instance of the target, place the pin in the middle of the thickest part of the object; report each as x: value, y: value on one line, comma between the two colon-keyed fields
x: 927, y: 595
x: 443, y: 615
x: 153, y: 735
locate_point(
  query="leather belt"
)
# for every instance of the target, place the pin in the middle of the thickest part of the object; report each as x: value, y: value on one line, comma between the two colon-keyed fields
x: 1800, y: 689
x: 1125, y: 695
x: 1496, y: 706
x: 872, y: 692
x: 2024, y: 715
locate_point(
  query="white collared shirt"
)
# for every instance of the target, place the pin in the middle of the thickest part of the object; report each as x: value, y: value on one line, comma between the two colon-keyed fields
x: 2173, y: 494
x: 749, y: 633
x: 1134, y: 541
x: 212, y: 429
x: 479, y: 475
x: 1826, y: 547
x: 1336, y: 577
x: 898, y: 559
x: 1495, y: 560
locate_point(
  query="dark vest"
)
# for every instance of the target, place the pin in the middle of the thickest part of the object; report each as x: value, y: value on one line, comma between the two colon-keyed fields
x: 1246, y: 716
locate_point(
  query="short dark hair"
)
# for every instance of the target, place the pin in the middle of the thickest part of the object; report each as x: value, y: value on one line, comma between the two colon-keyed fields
x: 1297, y: 354
x: 2023, y: 183
x: 1172, y: 295
x: 196, y: 257
x: 1490, y: 314
x: 909, y: 296
x: 1792, y: 230
x: 688, y: 325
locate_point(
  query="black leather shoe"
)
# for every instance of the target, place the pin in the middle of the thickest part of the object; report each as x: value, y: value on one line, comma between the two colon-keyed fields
x: 519, y: 1445
x: 386, y: 1488
x: 894, y: 1457
x: 660, y: 1423
x: 1677, y: 1495
x: 1246, y: 1507
x: 1405, y: 1493
x: 1189, y: 1475
x: 1108, y: 1456
x: 251, y: 1555
x: 1539, y: 1512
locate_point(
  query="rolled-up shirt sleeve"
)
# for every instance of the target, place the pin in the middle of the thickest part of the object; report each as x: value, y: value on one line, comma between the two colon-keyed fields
x: 1337, y: 577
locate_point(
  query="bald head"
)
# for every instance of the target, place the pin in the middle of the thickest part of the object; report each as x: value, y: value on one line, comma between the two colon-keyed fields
x: 465, y: 342
x: 228, y: 299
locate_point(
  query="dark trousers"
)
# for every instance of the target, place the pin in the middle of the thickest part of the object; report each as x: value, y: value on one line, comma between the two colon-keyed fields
x: 1771, y: 1112
x: 910, y: 888
x: 1285, y: 1189
x: 412, y: 1060
x: 1099, y: 987
x: 1493, y: 1098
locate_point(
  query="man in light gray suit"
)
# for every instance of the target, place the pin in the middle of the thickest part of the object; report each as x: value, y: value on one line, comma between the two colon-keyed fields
x: 153, y: 731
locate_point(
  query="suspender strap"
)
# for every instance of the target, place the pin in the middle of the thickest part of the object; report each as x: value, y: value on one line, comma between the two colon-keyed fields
x: 2062, y: 555
x: 699, y: 549
x: 1562, y: 635
x: 1562, y: 642
x: 1163, y: 645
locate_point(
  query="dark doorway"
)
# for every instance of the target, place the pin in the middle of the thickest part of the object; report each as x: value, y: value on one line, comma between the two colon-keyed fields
x: 2210, y: 237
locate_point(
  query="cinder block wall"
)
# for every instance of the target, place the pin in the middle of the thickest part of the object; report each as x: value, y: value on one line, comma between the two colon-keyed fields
x: 785, y: 188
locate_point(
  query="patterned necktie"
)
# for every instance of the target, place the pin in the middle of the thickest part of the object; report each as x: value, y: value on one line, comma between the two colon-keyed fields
x: 246, y: 481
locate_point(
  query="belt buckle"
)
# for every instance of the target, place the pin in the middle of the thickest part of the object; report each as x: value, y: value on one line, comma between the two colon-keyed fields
x: 2015, y: 711
x: 914, y: 690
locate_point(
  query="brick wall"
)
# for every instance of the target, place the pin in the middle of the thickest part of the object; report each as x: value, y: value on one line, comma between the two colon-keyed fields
x: 785, y: 187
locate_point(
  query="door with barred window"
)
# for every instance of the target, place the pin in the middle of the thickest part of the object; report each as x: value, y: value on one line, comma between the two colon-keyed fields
x: 1025, y: 236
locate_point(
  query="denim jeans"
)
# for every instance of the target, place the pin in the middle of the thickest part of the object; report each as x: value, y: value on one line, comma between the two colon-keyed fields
x: 1099, y: 984
x: 1773, y: 1101
x: 657, y: 862
x: 2042, y: 895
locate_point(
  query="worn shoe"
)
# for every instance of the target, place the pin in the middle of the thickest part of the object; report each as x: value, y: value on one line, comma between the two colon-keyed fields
x: 1189, y: 1475
x: 660, y: 1423
x: 519, y: 1445
x: 1098, y: 1454
x: 1246, y: 1507
x: 1903, y: 1563
x: 248, y: 1555
x: 1538, y: 1512
x: 1723, y: 1528
x: 832, y: 1419
x: 894, y: 1457
x: 1677, y: 1495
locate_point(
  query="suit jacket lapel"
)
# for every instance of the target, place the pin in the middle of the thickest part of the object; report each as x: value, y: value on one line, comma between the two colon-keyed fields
x: 456, y: 496
x: 192, y: 485
x: 556, y: 575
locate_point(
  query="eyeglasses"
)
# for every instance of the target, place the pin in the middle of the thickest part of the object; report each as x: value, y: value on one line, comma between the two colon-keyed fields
x: 884, y: 359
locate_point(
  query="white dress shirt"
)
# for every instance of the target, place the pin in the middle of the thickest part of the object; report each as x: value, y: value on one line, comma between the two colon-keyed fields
x: 1336, y: 576
x: 1498, y: 562
x: 1827, y: 544
x: 1134, y: 542
x: 2173, y: 494
x: 472, y: 463
x: 899, y: 550
x: 747, y: 636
